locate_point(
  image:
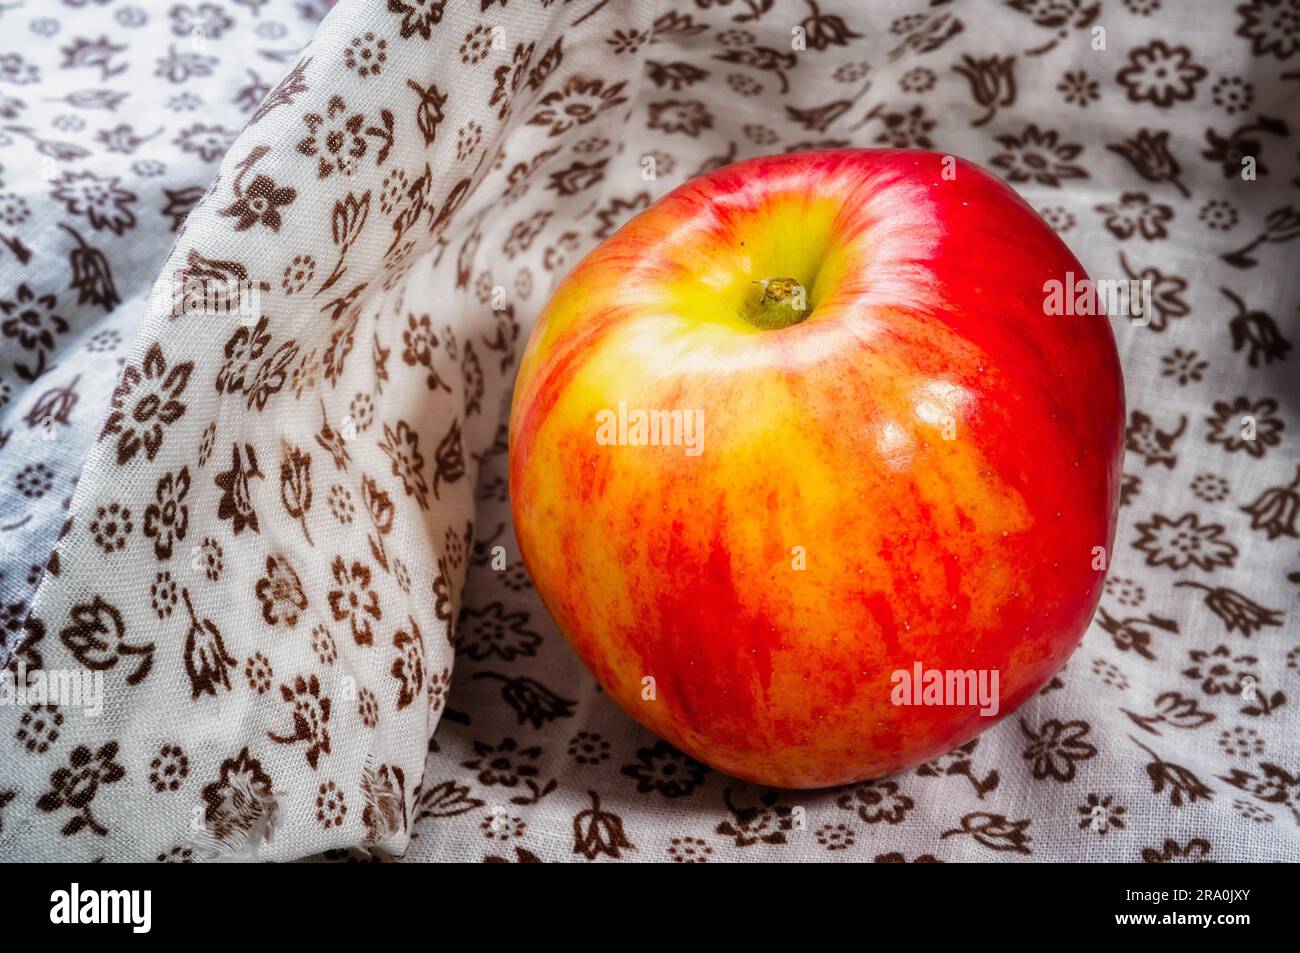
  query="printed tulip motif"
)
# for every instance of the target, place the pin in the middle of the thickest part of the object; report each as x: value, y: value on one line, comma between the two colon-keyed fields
x: 207, y: 663
x: 597, y: 831
x: 96, y: 637
x: 1237, y: 612
x: 1275, y: 510
x: 992, y: 82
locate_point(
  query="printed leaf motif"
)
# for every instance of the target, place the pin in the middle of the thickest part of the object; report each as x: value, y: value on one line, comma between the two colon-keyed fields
x: 995, y: 832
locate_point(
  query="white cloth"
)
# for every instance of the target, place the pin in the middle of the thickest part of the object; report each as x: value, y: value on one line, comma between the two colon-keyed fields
x: 273, y: 520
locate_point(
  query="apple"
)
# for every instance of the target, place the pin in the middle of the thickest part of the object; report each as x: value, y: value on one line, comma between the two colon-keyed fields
x: 799, y: 442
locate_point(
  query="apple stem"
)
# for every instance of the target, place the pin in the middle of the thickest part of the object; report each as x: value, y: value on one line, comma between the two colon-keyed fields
x: 783, y: 302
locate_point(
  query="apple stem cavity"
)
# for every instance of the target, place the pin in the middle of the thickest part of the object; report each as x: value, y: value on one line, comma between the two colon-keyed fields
x: 781, y: 303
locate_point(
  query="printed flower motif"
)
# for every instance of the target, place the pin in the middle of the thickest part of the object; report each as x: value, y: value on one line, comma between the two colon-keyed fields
x: 1038, y: 156
x: 145, y: 400
x: 311, y: 715
x: 384, y: 791
x: 366, y: 54
x: 908, y: 129
x: 675, y: 115
x: 240, y: 800
x: 1183, y: 366
x: 1154, y: 445
x: 336, y: 139
x: 270, y: 376
x: 168, y: 769
x: 1078, y: 89
x: 39, y: 727
x: 587, y: 748
x: 163, y: 595
x: 1184, y: 542
x: 577, y: 103
x: 354, y: 602
x: 111, y: 527
x: 1174, y: 710
x: 100, y: 199
x: 894, y: 857
x: 260, y: 204
x: 1100, y: 814
x: 1232, y: 152
x: 449, y: 459
x: 505, y: 763
x: 323, y: 645
x: 408, y: 667
x: 1195, y: 851
x: 30, y: 319
x: 1272, y: 26
x: 210, y: 558
x: 74, y: 787
x: 402, y: 445
x: 1109, y: 674
x: 1053, y: 750
x: 418, y: 16
x: 331, y: 806
x: 665, y: 769
x: 1246, y: 425
x: 14, y: 69
x: 1059, y: 217
x: 207, y: 18
x: 242, y: 348
x: 959, y: 761
x: 1218, y: 215
x: 764, y: 823
x: 627, y: 41
x: 236, y: 504
x: 1241, y: 742
x: 1135, y: 213
x: 833, y: 837
x: 876, y: 802
x: 167, y: 518
x: 209, y: 143
x: 1219, y: 672
x: 368, y: 708
x: 123, y: 139
x: 1166, y: 293
x: 420, y: 343
x: 1160, y: 74
x: 1209, y: 487
x: 280, y: 592
x: 440, y: 688
x: 1134, y: 632
x: 1232, y: 94
x: 1277, y: 786
x: 179, y: 66
x: 495, y: 632
x: 1251, y: 812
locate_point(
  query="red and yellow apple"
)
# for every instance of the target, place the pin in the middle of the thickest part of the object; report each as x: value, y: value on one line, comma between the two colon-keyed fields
x: 904, y: 461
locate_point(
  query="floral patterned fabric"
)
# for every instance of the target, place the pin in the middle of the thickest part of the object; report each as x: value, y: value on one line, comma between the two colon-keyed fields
x: 283, y: 533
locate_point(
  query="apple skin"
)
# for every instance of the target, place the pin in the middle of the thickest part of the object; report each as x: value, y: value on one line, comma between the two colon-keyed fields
x: 975, y: 552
